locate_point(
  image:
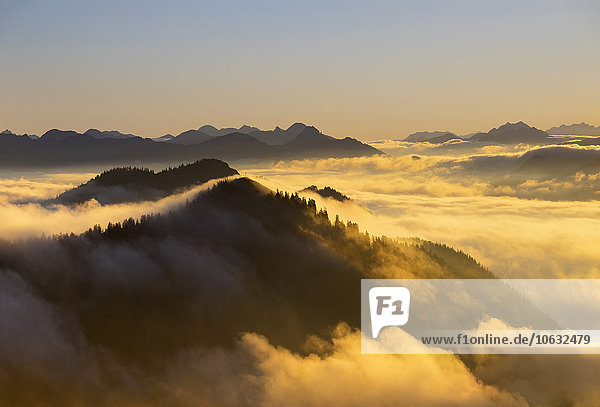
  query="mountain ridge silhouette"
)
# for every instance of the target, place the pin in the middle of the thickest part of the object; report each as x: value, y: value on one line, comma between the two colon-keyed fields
x: 133, y: 184
x: 67, y: 147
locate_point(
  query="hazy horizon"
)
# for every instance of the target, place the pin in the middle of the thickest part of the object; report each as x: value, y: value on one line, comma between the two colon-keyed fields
x: 82, y: 130
x: 376, y: 71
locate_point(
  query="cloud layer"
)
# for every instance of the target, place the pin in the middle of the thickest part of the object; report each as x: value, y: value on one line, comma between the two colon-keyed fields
x: 519, y: 224
x: 21, y: 216
x: 172, y: 278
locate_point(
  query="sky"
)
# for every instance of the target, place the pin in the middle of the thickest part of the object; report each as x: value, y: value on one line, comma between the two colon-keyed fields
x: 369, y: 70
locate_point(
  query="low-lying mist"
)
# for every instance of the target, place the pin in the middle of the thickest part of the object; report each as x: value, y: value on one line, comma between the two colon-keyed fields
x: 21, y: 214
x: 516, y: 221
x: 237, y: 300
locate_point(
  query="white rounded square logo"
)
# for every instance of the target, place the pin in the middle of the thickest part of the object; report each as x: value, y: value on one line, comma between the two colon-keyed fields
x: 389, y: 306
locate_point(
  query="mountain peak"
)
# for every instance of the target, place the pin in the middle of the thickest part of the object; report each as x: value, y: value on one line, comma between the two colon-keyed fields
x: 76, y: 147
x: 209, y: 129
x: 107, y: 134
x: 310, y: 131
x: 143, y: 184
x: 508, y: 127
x: 311, y: 137
x: 519, y: 124
x: 296, y: 128
x: 215, y: 132
x: 579, y: 129
x: 247, y: 129
x: 327, y: 192
x: 188, y: 137
x: 56, y: 134
x: 513, y: 133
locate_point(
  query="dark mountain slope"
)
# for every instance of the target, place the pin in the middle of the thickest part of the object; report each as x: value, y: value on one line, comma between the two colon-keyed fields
x: 214, y: 132
x: 309, y: 137
x: 235, y: 146
x: 278, y: 136
x: 65, y: 148
x: 166, y: 137
x: 311, y: 142
x: 132, y: 184
x: 327, y: 192
x: 10, y: 133
x: 56, y: 135
x: 110, y: 309
x: 238, y: 258
x: 190, y: 137
x: 108, y: 134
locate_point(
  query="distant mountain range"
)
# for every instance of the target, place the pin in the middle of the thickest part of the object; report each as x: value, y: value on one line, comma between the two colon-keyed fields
x: 188, y: 137
x: 579, y: 129
x: 276, y: 137
x: 132, y: 184
x: 513, y: 133
x: 10, y: 133
x: 107, y: 134
x: 509, y: 133
x: 60, y: 147
x: 279, y: 136
x: 214, y: 132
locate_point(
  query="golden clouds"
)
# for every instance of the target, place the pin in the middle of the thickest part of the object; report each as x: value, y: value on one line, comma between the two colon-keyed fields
x: 33, y: 219
x: 516, y: 223
x: 258, y: 373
